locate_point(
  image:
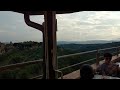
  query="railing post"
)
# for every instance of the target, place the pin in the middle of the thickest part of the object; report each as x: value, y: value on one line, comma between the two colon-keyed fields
x: 56, y: 60
x: 97, y: 57
x: 117, y: 51
x: 57, y: 71
x: 44, y: 59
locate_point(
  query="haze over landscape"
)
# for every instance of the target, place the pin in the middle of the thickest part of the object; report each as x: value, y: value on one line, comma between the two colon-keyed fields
x: 80, y: 26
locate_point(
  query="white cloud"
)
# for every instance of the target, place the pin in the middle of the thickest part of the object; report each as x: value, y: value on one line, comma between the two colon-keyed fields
x: 86, y: 25
x: 90, y: 25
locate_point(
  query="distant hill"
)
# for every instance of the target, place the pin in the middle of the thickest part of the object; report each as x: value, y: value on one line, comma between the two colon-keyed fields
x: 88, y: 47
x: 85, y: 42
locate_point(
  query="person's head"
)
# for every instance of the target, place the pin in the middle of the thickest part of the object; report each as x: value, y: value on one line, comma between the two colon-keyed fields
x: 107, y: 57
x: 86, y: 72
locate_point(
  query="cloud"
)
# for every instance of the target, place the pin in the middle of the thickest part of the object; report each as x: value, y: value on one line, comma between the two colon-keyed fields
x: 86, y: 25
x: 90, y: 25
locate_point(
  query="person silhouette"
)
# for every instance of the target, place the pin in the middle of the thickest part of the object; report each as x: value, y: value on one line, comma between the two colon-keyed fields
x: 86, y: 72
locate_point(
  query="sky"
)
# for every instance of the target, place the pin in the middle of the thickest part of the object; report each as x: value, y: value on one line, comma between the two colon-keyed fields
x: 79, y: 26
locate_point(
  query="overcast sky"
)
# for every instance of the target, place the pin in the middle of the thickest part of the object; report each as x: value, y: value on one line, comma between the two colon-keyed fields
x: 80, y: 26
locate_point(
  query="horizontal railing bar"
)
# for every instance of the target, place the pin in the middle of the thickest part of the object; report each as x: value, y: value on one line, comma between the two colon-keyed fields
x: 18, y: 65
x: 75, y: 54
x: 107, y: 48
x: 76, y: 64
x: 36, y: 77
x: 60, y: 73
x: 64, y: 56
x: 101, y: 57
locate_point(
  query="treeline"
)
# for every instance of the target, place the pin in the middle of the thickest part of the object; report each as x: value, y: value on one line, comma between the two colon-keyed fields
x: 27, y: 45
x: 29, y: 51
x: 4, y: 48
x: 88, y: 47
x: 18, y: 53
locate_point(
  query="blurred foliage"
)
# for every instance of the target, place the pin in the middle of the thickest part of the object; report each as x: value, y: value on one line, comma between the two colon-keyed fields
x: 29, y: 51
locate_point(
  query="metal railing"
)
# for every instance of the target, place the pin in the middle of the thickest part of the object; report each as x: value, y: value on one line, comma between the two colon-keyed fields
x: 20, y: 65
x: 98, y: 57
x: 76, y: 64
x: 76, y: 54
x: 61, y: 74
x: 37, y: 77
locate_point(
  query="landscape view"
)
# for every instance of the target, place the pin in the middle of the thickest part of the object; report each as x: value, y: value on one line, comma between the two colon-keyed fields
x: 77, y: 32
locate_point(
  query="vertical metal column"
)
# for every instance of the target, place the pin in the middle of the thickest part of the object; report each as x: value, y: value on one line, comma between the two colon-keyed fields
x: 97, y: 57
x: 40, y: 28
x: 117, y: 51
x: 50, y: 43
x: 44, y: 60
x: 56, y: 60
x: 48, y: 29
